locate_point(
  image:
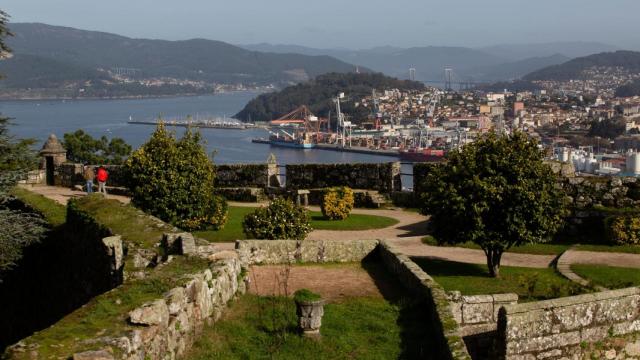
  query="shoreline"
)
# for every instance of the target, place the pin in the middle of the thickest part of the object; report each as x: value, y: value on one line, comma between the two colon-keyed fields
x: 140, y: 97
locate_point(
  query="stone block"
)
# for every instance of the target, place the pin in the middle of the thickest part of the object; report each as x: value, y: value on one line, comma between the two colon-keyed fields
x: 477, y: 313
x: 543, y: 343
x: 94, y: 355
x: 576, y: 316
x: 176, y: 300
x: 154, y: 313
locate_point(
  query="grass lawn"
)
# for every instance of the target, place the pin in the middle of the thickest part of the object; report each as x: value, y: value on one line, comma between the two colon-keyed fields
x: 631, y: 249
x: 256, y: 327
x: 608, y: 276
x: 133, y: 224
x: 537, y: 249
x: 473, y: 279
x: 233, y: 229
x: 53, y: 212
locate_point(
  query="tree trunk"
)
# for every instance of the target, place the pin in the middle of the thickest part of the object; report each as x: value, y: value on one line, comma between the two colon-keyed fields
x: 493, y: 261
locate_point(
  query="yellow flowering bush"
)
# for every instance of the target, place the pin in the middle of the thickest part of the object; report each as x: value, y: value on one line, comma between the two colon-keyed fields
x: 624, y: 230
x: 337, y: 203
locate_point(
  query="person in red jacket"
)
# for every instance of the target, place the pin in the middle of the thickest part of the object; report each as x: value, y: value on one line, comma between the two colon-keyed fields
x: 102, y: 177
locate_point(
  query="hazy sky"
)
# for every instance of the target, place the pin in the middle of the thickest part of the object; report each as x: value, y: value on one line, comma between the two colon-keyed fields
x: 347, y: 23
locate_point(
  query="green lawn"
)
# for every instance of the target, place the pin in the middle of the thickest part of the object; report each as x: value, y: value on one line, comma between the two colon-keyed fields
x: 608, y: 276
x: 134, y: 225
x: 537, y: 249
x: 473, y: 279
x: 552, y: 248
x: 233, y: 228
x: 265, y: 328
x: 53, y: 212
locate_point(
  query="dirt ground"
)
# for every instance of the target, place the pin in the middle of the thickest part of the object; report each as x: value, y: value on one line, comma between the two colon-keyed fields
x: 334, y: 282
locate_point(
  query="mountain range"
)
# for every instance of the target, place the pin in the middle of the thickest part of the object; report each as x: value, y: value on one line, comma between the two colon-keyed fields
x: 487, y: 64
x: 196, y: 59
x: 48, y: 57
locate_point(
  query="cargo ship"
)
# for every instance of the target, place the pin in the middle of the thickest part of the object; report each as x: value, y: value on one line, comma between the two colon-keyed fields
x: 422, y: 155
x: 301, y: 142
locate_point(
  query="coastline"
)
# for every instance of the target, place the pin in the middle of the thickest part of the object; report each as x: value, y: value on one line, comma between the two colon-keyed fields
x: 132, y: 97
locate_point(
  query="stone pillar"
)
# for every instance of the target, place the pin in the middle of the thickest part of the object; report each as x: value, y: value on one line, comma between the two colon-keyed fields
x: 310, y: 316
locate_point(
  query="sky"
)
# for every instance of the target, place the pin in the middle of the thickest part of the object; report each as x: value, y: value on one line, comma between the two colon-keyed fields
x: 347, y: 23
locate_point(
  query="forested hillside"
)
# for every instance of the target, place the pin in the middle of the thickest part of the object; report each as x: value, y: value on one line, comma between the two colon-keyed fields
x: 317, y: 94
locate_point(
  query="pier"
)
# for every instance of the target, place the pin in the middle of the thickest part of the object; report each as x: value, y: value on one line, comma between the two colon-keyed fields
x: 334, y: 147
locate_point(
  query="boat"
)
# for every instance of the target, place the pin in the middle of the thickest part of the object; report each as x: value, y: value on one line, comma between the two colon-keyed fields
x: 422, y: 155
x: 299, y: 129
x: 291, y: 143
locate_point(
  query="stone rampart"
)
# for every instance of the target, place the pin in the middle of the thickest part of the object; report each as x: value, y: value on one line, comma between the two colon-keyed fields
x: 449, y: 343
x: 563, y: 328
x: 383, y: 177
x: 309, y: 251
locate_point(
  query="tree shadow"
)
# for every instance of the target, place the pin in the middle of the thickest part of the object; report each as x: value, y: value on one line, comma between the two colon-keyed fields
x: 418, y: 332
x: 416, y: 229
x: 438, y: 267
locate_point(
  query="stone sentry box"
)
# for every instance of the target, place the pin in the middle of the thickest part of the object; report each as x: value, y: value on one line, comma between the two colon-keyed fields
x: 559, y: 328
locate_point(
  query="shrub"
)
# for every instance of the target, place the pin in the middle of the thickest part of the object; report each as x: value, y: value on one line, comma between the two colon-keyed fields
x: 623, y: 230
x: 337, y: 203
x: 174, y: 180
x: 305, y: 295
x: 280, y: 220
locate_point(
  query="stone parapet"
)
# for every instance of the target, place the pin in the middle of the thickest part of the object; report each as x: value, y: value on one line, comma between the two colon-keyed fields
x: 561, y: 328
x: 306, y: 251
x: 384, y: 177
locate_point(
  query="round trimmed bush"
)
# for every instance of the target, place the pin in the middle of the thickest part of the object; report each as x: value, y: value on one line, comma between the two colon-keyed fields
x: 624, y: 230
x: 281, y: 220
x: 337, y: 203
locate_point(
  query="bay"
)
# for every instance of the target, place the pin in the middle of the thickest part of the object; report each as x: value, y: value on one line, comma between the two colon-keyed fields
x: 38, y: 119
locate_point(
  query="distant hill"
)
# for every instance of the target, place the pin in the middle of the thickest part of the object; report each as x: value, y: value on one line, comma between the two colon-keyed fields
x: 196, y: 59
x: 31, y: 71
x: 317, y: 94
x: 628, y: 90
x: 487, y: 65
x: 517, y: 69
x: 573, y: 69
x: 570, y: 49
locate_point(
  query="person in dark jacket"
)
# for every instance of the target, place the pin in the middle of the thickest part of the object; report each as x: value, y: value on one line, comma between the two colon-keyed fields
x: 102, y: 177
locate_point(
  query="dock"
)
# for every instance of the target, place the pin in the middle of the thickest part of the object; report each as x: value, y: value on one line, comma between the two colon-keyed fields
x: 226, y: 126
x: 334, y: 147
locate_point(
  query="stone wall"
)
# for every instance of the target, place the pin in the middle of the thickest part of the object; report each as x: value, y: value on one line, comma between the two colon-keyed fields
x: 563, y: 328
x: 166, y: 328
x: 247, y: 175
x: 308, y: 251
x: 383, y: 177
x: 70, y: 175
x: 478, y: 313
x: 449, y: 344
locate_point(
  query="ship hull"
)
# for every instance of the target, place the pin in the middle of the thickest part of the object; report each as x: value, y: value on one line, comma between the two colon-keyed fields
x: 292, y: 145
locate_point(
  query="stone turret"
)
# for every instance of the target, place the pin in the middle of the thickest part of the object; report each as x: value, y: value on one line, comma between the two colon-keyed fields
x: 53, y: 148
x: 53, y: 155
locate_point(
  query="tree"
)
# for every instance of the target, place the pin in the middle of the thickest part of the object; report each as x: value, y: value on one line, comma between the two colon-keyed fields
x: 496, y: 192
x: 83, y: 148
x: 174, y: 180
x: 19, y: 229
x: 608, y: 128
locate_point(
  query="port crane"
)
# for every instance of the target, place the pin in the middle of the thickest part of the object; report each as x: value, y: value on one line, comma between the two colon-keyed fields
x: 344, y: 127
